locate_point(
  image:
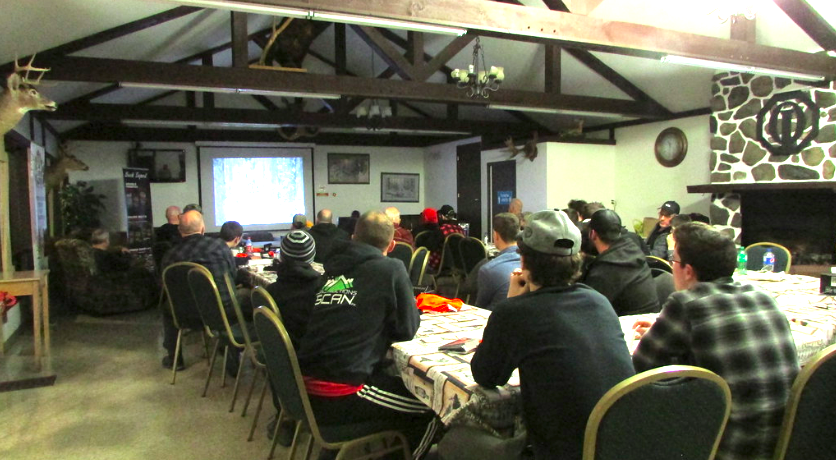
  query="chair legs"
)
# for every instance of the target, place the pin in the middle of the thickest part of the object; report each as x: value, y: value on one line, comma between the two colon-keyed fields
x: 258, y: 410
x: 176, y: 356
x: 211, y: 365
x: 241, y: 361
x: 250, y: 392
x: 223, y: 374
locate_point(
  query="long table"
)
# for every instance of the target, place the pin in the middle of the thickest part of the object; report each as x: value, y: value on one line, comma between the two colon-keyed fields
x: 444, y: 382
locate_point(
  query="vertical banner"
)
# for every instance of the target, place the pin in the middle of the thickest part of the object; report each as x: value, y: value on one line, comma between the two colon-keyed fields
x: 138, y: 206
x: 37, y: 204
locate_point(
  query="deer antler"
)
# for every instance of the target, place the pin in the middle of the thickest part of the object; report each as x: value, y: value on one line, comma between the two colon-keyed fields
x: 29, y: 68
x: 509, y: 144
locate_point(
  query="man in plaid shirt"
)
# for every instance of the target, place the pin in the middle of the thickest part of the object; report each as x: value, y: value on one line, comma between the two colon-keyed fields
x: 734, y: 330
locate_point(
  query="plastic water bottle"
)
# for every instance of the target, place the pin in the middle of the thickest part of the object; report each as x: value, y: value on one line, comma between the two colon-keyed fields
x: 768, y: 260
x: 248, y: 246
x: 486, y: 239
x: 741, y: 261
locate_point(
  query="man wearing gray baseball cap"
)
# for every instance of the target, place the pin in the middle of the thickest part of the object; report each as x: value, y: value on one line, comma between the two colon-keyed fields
x: 564, y: 337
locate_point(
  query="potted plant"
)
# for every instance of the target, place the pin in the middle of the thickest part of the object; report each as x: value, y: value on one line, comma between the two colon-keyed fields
x: 80, y: 207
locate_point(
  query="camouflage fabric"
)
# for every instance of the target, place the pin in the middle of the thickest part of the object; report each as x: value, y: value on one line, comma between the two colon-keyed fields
x: 101, y: 293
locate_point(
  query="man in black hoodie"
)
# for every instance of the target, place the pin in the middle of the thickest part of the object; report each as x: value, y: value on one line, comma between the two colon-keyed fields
x: 620, y: 271
x: 325, y: 233
x: 365, y: 304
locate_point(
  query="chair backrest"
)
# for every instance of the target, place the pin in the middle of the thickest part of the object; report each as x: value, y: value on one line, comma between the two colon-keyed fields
x: 664, y: 286
x: 261, y: 298
x: 658, y: 262
x: 181, y: 302
x: 677, y: 411
x: 807, y: 432
x: 450, y: 256
x: 755, y: 252
x: 283, y: 369
x: 402, y: 252
x: 472, y: 251
x: 423, y: 238
x: 418, y: 266
x: 209, y: 303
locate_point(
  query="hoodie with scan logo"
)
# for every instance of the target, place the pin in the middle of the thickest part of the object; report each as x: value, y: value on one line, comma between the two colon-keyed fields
x: 365, y: 305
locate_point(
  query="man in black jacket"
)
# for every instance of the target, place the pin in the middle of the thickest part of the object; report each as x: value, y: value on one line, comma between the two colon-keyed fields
x: 657, y: 240
x: 325, y: 233
x: 620, y: 271
x: 365, y: 304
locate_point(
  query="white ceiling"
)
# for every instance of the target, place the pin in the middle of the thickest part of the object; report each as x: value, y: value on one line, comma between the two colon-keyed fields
x: 36, y: 25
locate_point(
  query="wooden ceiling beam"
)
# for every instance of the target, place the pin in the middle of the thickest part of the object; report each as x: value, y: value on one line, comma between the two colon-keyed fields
x: 441, y: 59
x: 386, y: 51
x: 810, y: 21
x: 111, y: 132
x: 575, y: 30
x: 120, y: 112
x: 117, y: 70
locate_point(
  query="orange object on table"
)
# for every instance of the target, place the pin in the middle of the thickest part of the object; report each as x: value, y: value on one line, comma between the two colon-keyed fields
x: 437, y: 303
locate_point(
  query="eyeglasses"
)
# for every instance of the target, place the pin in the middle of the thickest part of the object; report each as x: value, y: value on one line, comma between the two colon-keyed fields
x: 674, y: 261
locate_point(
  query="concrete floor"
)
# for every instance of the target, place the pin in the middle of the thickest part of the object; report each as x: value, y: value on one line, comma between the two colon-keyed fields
x: 112, y: 400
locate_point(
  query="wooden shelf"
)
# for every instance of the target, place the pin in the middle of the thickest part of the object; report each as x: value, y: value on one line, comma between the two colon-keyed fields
x: 760, y: 186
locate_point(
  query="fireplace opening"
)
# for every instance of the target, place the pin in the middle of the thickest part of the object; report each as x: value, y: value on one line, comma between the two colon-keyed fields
x: 804, y: 221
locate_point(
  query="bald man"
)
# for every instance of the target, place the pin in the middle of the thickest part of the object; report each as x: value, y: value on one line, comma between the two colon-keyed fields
x: 169, y: 231
x: 212, y: 253
x: 325, y: 233
x: 401, y: 234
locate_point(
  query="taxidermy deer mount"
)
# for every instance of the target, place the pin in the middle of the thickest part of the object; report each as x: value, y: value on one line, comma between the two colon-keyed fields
x: 297, y: 132
x: 529, y: 150
x: 56, y: 172
x: 18, y: 97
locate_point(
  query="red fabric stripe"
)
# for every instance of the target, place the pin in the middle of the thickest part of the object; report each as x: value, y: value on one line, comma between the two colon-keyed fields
x: 329, y: 389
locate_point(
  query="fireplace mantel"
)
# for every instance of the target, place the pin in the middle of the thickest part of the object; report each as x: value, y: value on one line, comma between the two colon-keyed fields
x: 736, y: 187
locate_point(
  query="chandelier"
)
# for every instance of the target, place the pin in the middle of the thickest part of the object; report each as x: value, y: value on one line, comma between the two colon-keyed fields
x: 374, y: 113
x: 478, y: 79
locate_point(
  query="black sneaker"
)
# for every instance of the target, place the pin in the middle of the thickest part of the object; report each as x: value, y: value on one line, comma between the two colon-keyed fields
x: 167, y: 362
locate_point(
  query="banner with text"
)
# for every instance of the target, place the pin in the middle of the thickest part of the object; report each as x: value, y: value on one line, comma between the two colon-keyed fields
x: 138, y: 206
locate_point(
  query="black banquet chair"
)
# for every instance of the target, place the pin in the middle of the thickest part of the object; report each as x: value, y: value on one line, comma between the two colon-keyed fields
x: 658, y: 263
x: 403, y: 252
x: 808, y: 428
x: 673, y: 412
x: 181, y: 307
x: 755, y: 252
x: 286, y: 378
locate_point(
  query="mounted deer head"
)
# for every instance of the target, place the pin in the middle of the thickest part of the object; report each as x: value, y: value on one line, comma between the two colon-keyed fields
x: 20, y: 96
x: 529, y: 150
x: 56, y: 172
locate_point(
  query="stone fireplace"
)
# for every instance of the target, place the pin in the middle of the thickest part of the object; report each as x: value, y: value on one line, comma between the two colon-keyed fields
x: 758, y: 195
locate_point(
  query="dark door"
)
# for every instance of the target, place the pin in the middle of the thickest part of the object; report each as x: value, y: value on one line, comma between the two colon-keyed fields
x: 469, y: 186
x: 502, y: 188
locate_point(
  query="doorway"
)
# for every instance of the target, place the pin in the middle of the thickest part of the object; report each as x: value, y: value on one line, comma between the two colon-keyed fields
x: 469, y: 186
x: 502, y: 188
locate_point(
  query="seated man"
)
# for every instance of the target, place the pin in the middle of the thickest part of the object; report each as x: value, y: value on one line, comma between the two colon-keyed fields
x: 325, y: 233
x: 296, y: 283
x: 620, y: 271
x: 493, y: 278
x: 231, y: 233
x: 364, y: 306
x: 657, y: 241
x: 565, y: 339
x: 402, y: 235
x: 300, y: 222
x: 168, y: 231
x: 731, y: 329
x: 213, y: 254
x: 447, y: 226
x: 121, y: 265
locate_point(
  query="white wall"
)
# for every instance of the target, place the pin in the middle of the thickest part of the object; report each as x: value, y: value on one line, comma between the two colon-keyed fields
x: 363, y: 197
x: 440, y: 167
x: 642, y: 184
x: 578, y: 171
x: 106, y: 160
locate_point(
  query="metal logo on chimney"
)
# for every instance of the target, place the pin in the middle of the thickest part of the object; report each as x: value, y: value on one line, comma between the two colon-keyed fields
x: 788, y: 123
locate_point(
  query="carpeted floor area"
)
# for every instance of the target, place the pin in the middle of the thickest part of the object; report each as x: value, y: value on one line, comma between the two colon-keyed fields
x: 112, y: 400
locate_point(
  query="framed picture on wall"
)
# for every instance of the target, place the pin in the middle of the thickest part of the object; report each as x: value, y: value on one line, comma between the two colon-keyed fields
x: 399, y: 187
x: 163, y: 165
x: 348, y: 168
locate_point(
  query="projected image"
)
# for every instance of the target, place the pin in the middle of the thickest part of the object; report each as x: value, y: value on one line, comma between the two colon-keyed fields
x: 257, y: 191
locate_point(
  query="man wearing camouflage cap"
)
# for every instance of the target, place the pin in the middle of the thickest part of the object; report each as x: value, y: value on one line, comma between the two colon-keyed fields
x: 564, y: 337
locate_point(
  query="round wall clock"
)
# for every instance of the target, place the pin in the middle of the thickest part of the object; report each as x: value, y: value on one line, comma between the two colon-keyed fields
x: 671, y: 146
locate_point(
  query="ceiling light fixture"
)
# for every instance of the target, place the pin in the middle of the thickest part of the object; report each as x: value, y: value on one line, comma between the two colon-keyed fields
x: 478, y: 79
x: 214, y: 89
x: 248, y: 7
x: 739, y: 68
x: 374, y: 113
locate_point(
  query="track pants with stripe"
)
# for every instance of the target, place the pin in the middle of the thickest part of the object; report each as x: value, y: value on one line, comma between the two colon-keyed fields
x: 385, y: 402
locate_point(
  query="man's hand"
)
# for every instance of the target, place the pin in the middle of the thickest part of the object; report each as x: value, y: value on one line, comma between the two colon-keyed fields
x: 640, y: 328
x: 518, y: 284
